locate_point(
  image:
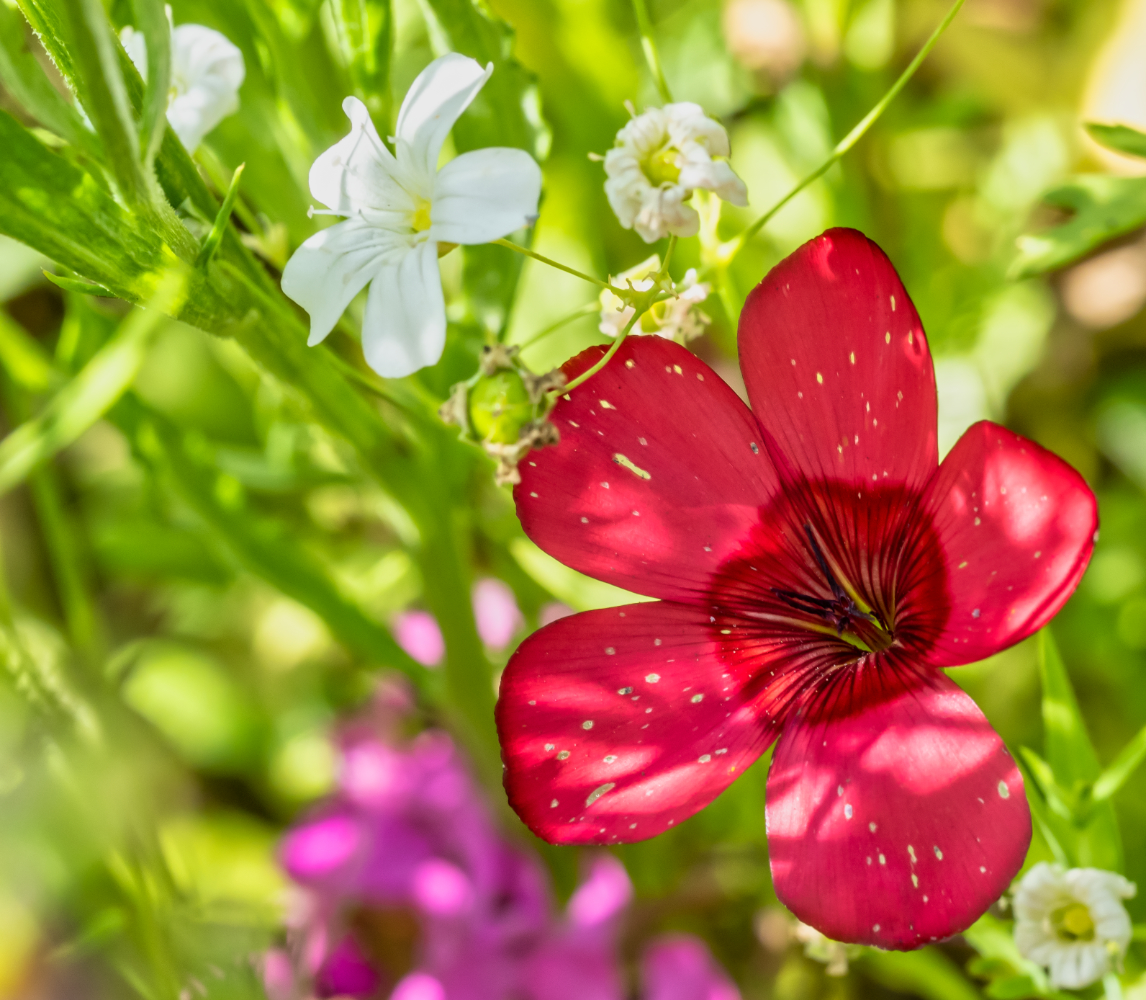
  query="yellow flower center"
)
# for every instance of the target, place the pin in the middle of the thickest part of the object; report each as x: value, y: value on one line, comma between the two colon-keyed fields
x: 421, y: 220
x: 663, y: 167
x: 1073, y: 923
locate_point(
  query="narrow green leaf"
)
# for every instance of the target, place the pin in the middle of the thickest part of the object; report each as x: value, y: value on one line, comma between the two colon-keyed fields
x: 365, y: 30
x: 255, y: 543
x: 25, y: 81
x: 1120, y: 138
x: 1055, y: 830
x: 215, y: 236
x: 23, y: 359
x: 152, y: 19
x: 1123, y: 766
x: 1101, y: 207
x: 87, y: 397
x: 77, y: 286
x: 103, y: 95
x: 926, y: 973
x: 1074, y: 762
x: 1041, y: 771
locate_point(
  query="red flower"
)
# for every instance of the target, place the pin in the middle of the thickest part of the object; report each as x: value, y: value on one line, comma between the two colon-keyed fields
x: 816, y: 569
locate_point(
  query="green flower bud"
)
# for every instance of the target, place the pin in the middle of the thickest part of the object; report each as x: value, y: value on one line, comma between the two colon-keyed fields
x: 500, y: 407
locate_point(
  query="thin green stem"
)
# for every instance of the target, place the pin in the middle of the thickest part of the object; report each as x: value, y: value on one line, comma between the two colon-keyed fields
x: 668, y: 257
x: 553, y: 263
x: 606, y: 357
x: 585, y: 310
x: 652, y: 57
x: 848, y: 141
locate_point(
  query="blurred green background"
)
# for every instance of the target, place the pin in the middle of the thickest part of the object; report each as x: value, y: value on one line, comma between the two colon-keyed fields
x: 199, y: 611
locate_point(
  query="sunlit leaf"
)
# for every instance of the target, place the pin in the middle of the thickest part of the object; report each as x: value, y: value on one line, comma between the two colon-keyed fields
x: 1120, y: 138
x: 1120, y: 770
x: 365, y: 36
x: 1101, y: 207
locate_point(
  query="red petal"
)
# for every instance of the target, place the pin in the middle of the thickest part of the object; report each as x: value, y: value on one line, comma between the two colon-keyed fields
x: 618, y: 724
x: 900, y: 823
x: 837, y: 365
x: 1016, y: 526
x: 660, y: 472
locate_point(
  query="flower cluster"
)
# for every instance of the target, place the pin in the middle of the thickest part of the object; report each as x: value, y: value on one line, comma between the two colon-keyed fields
x: 678, y: 318
x: 1072, y: 922
x: 207, y: 71
x: 408, y: 890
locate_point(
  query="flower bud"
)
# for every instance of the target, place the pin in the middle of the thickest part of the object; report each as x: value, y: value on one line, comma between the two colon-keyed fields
x: 499, y: 407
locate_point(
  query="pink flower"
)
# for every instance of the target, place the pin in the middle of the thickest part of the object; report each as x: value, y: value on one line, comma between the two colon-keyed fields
x: 817, y: 569
x: 417, y: 632
x: 495, y: 612
x: 553, y: 611
x: 680, y: 967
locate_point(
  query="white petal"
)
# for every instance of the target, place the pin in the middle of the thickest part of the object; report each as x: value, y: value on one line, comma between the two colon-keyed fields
x: 206, y: 73
x: 687, y: 122
x: 405, y: 324
x: 484, y: 195
x: 333, y: 266
x: 359, y: 174
x: 435, y: 100
x: 135, y: 45
x: 715, y: 176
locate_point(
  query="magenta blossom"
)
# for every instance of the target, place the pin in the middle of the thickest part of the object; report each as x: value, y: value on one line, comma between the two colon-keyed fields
x: 679, y: 967
x: 407, y: 842
x: 817, y: 569
x: 419, y: 634
x: 495, y: 612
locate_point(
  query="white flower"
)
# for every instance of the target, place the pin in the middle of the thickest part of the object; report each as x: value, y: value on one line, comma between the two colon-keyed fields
x: 678, y: 318
x: 1072, y: 922
x: 206, y: 73
x: 403, y: 213
x: 660, y: 158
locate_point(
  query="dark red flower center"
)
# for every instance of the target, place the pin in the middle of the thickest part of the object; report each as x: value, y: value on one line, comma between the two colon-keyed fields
x: 848, y: 578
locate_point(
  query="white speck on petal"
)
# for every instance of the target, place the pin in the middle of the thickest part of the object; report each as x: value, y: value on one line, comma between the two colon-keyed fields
x: 587, y: 724
x: 652, y: 678
x: 563, y: 755
x: 1004, y: 791
x: 696, y: 699
x: 704, y: 759
x: 848, y: 810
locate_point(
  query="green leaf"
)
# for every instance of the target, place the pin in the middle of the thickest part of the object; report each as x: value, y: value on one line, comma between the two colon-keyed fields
x: 926, y: 973
x: 103, y: 95
x: 152, y: 19
x: 77, y: 286
x: 1120, y: 138
x: 22, y: 76
x: 1120, y: 770
x: 1101, y: 208
x: 1096, y: 838
x: 365, y: 30
x: 23, y: 359
x: 87, y: 397
x: 581, y: 593
x: 215, y: 237
x: 1043, y: 775
x: 257, y: 544
x: 50, y: 204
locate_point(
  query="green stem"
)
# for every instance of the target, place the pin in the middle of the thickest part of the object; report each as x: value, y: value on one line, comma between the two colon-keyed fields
x: 848, y: 141
x: 585, y: 310
x: 652, y: 57
x: 607, y: 356
x: 668, y: 257
x: 553, y: 263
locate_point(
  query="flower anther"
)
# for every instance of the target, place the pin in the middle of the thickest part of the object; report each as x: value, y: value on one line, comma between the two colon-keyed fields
x: 661, y: 156
x: 816, y: 569
x: 207, y: 71
x: 401, y: 213
x: 1072, y: 922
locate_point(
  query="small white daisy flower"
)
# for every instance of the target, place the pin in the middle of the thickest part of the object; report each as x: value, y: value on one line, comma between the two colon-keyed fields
x: 402, y: 213
x: 678, y: 318
x: 206, y: 73
x: 1072, y: 922
x: 660, y: 158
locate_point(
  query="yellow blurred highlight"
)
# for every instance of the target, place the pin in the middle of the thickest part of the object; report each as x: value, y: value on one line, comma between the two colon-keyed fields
x: 18, y: 936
